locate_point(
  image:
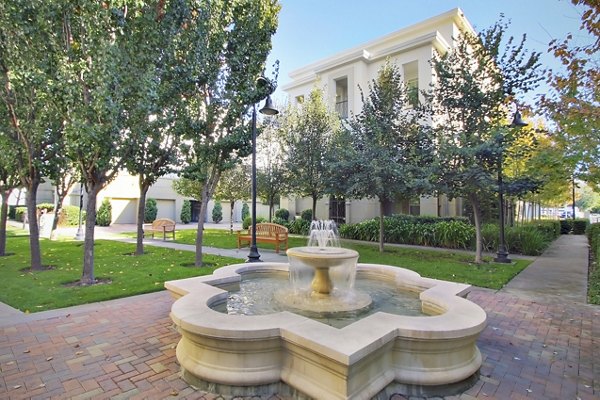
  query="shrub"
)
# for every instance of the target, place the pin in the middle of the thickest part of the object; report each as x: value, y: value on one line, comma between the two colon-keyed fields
x: 306, y: 215
x: 248, y: 221
x: 186, y: 212
x: 282, y: 214
x: 12, y: 212
x: 593, y: 233
x: 245, y: 211
x: 526, y: 240
x: 217, y: 213
x: 580, y: 226
x: 150, y: 210
x: 49, y: 207
x: 20, y: 213
x: 299, y: 226
x: 104, y: 214
x: 281, y: 221
x: 69, y: 216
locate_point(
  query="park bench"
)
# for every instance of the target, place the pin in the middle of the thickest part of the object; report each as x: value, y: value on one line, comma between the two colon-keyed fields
x: 160, y: 225
x: 265, y: 233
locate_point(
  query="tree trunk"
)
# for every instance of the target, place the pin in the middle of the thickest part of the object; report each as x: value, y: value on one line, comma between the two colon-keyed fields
x: 231, y: 205
x: 139, y: 247
x: 271, y: 205
x: 3, y: 218
x: 477, y: 218
x: 57, y: 208
x: 200, y: 234
x: 381, y: 224
x: 34, y: 229
x: 314, y: 208
x: 88, y: 278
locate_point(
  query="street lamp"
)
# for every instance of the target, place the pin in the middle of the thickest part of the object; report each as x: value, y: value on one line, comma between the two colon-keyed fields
x: 502, y: 256
x: 268, y: 109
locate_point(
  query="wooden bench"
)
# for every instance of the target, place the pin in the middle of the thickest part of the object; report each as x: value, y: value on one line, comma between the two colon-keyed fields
x: 265, y: 233
x: 160, y: 225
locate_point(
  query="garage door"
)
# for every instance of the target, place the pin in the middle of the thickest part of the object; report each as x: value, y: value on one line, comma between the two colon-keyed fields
x: 124, y: 211
x: 166, y: 209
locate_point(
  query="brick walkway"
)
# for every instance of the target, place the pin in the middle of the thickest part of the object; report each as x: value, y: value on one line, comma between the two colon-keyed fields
x: 532, y: 349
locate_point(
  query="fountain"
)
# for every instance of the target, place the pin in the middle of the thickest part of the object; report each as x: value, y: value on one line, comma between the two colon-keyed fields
x: 290, y: 351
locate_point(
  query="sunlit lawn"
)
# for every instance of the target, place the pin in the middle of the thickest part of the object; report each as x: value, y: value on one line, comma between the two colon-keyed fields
x: 447, y: 265
x: 128, y: 275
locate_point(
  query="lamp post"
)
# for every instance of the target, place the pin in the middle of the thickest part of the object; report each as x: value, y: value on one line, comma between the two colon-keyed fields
x: 502, y: 256
x: 268, y: 109
x: 79, y: 234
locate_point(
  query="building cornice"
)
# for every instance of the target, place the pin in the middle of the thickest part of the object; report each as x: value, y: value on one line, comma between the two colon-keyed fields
x: 403, y: 39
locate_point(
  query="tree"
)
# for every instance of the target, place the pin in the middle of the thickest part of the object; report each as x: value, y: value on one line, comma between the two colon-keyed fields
x: 386, y: 149
x: 473, y: 86
x: 309, y: 129
x: 186, y: 212
x: 149, y: 99
x: 573, y: 104
x: 233, y: 185
x: 271, y: 176
x: 150, y: 210
x: 221, y: 50
x: 217, y: 212
x: 9, y: 180
x: 96, y: 73
x: 29, y: 80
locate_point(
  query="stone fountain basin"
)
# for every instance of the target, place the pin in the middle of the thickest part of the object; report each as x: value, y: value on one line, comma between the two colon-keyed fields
x: 245, y: 355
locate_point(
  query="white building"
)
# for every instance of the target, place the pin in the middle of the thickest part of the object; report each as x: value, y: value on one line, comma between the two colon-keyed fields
x: 340, y: 75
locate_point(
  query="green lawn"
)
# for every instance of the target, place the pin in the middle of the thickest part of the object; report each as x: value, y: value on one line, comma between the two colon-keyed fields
x: 447, y: 265
x: 130, y: 275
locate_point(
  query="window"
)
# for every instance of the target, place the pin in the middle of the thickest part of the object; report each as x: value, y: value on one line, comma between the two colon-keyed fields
x: 412, y: 87
x: 341, y: 97
x: 411, y: 79
x: 414, y: 206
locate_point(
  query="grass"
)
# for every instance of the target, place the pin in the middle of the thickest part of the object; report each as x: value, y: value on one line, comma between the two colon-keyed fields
x: 447, y: 265
x: 128, y: 275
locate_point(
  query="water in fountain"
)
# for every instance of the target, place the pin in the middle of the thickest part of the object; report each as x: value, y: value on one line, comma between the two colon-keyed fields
x: 323, y: 233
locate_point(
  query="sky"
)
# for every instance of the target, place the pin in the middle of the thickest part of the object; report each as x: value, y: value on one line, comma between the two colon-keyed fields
x: 310, y: 30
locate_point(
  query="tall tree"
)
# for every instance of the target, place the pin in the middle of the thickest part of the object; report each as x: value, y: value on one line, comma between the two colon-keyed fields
x: 221, y: 50
x: 149, y: 100
x: 573, y: 103
x: 9, y: 180
x: 96, y: 68
x: 233, y: 185
x: 474, y: 84
x: 309, y: 130
x: 29, y: 78
x: 386, y: 150
x: 271, y: 179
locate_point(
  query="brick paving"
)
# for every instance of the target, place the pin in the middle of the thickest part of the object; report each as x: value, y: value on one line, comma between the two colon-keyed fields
x: 125, y: 349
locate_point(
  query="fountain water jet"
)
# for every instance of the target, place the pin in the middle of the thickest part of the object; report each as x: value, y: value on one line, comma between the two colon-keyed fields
x: 289, y: 354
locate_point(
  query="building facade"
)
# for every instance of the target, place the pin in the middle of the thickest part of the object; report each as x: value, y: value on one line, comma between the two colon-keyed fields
x: 340, y: 76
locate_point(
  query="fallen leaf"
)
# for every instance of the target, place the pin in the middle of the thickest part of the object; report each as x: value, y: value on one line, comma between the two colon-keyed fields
x: 516, y: 358
x: 77, y: 345
x: 49, y: 358
x: 27, y: 351
x: 16, y: 386
x: 42, y: 385
x: 79, y: 353
x: 529, y: 390
x: 174, y: 393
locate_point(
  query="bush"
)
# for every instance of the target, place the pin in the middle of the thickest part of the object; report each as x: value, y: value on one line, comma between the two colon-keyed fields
x: 104, y: 214
x: 245, y: 211
x: 217, y: 213
x: 280, y: 221
x: 566, y: 226
x: 248, y: 221
x: 49, y: 207
x: 186, y: 212
x: 306, y: 215
x: 150, y: 211
x: 593, y: 233
x: 69, y: 216
x: 12, y: 212
x: 20, y: 213
x: 580, y: 226
x: 299, y: 226
x: 282, y: 214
